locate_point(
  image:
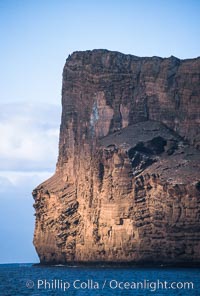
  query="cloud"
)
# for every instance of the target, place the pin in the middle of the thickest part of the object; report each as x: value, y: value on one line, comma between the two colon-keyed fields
x: 28, y: 154
x: 29, y: 136
x: 14, y: 184
x: 5, y: 184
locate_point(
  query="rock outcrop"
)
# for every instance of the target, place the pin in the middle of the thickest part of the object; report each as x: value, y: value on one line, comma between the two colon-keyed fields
x: 127, y: 181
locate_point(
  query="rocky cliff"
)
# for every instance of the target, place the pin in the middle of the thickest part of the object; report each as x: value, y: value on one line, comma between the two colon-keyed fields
x: 127, y: 181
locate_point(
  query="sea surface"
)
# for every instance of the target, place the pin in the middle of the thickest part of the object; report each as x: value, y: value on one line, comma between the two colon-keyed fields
x: 27, y: 279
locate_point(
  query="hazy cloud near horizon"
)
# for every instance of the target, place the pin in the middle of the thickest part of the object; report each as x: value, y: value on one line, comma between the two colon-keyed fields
x: 28, y: 155
x: 29, y: 136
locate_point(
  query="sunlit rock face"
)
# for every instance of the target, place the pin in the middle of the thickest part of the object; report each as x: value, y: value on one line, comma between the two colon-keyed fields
x: 127, y: 181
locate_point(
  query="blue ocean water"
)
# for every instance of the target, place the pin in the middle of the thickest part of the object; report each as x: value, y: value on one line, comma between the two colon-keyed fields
x: 26, y: 279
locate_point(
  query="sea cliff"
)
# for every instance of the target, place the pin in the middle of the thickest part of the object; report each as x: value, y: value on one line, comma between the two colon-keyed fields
x: 127, y: 180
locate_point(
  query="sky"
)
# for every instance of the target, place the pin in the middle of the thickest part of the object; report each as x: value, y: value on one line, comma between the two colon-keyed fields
x: 36, y: 38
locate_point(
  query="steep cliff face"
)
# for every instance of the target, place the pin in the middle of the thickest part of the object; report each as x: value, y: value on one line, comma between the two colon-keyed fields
x: 127, y: 182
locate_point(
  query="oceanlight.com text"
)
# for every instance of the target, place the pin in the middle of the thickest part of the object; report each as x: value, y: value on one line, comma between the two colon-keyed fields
x: 113, y: 284
x: 150, y: 285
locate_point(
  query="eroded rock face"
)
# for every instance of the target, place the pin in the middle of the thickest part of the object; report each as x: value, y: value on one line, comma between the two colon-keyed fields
x: 127, y: 182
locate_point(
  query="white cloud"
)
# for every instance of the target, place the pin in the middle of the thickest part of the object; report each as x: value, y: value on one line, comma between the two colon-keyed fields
x: 5, y: 184
x: 15, y: 184
x: 28, y: 153
x: 29, y: 136
x: 15, y: 178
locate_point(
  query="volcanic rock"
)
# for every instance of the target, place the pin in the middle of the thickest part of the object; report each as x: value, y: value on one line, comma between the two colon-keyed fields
x: 127, y: 181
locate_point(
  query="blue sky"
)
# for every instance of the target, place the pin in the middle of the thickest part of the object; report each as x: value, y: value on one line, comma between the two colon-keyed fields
x: 36, y: 38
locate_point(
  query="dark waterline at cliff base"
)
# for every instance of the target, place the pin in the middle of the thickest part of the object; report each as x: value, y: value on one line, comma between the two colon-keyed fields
x: 139, y: 264
x: 26, y: 279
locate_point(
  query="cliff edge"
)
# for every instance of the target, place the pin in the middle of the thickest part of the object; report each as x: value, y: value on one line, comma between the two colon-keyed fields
x: 127, y: 181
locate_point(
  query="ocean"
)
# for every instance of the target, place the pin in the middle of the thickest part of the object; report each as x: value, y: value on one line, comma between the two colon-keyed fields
x: 27, y: 279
